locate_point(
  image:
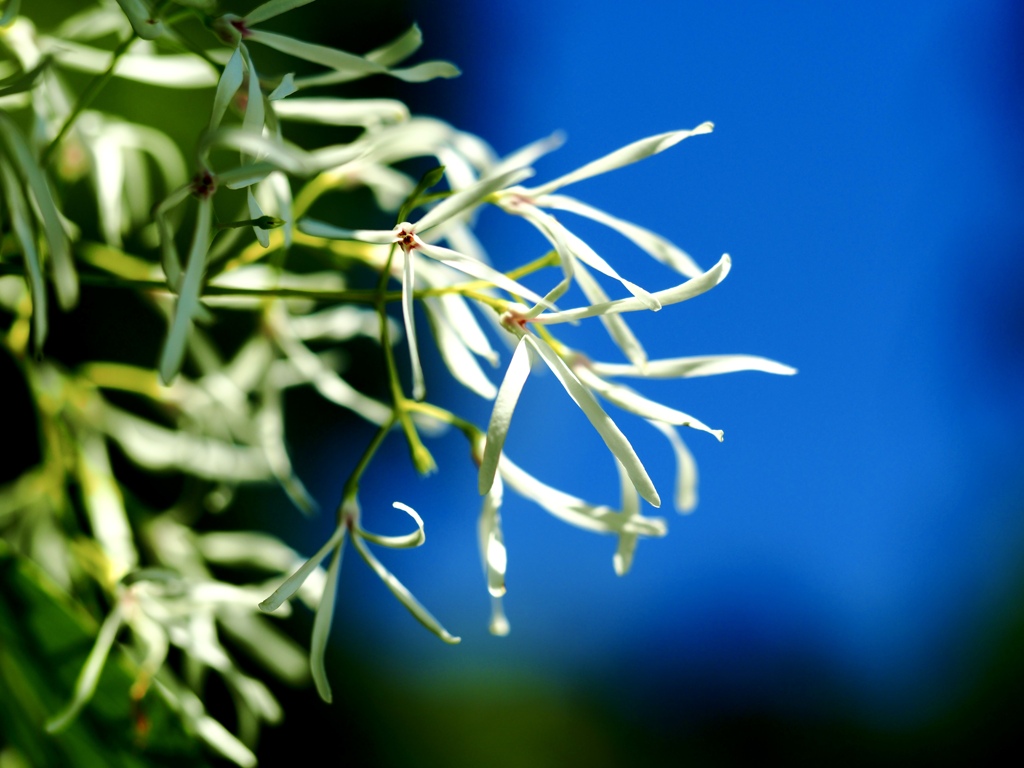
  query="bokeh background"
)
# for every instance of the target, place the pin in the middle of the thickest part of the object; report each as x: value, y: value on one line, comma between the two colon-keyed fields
x: 850, y: 586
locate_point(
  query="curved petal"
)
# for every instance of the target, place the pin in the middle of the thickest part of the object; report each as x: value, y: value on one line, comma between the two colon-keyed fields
x: 691, y: 288
x: 634, y: 402
x: 407, y: 541
x: 501, y: 414
x: 655, y: 245
x: 405, y: 597
x: 691, y: 367
x: 609, y: 431
x: 631, y: 153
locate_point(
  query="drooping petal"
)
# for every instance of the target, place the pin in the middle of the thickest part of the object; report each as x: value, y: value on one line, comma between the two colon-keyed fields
x: 634, y: 402
x: 631, y: 153
x: 686, y: 469
x: 655, y: 245
x: 292, y: 583
x: 622, y: 560
x: 419, y: 389
x: 691, y: 288
x: 691, y: 367
x: 492, y: 544
x: 609, y: 431
x: 89, y: 677
x: 590, y: 257
x: 501, y: 414
x: 405, y: 597
x: 616, y: 326
x: 456, y: 354
x: 322, y: 626
x: 478, y: 269
x: 270, y: 423
x: 188, y: 298
x: 572, y: 510
x: 327, y: 382
x: 227, y: 86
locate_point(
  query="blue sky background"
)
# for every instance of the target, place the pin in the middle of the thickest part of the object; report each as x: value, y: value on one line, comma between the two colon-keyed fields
x: 859, y: 529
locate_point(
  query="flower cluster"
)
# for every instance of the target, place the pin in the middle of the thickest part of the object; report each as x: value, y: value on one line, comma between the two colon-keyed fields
x: 242, y: 209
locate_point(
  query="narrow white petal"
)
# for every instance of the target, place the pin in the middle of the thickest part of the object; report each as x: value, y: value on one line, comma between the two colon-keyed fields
x: 405, y: 597
x: 292, y: 583
x: 318, y: 54
x: 333, y: 111
x: 626, y: 155
x: 655, y: 245
x: 255, y: 114
x: 616, y: 326
x: 686, y: 469
x: 402, y: 47
x: 498, y: 625
x: 622, y: 560
x: 501, y: 414
x: 610, y: 433
x: 491, y: 541
x: 317, y: 228
x: 691, y: 288
x: 271, y: 9
x: 468, y: 197
x: 419, y: 389
x: 691, y: 367
x: 574, y: 511
x: 528, y: 155
x: 188, y: 299
x: 322, y: 627
x: 566, y: 257
x: 634, y: 402
x: 327, y: 381
x: 464, y: 322
x: 227, y: 86
x: 169, y: 259
x: 409, y: 540
x: 456, y: 355
x: 90, y: 674
x: 477, y: 269
x: 590, y: 257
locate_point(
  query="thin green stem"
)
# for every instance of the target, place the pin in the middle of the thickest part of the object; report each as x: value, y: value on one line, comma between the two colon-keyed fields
x: 352, y: 484
x: 85, y: 99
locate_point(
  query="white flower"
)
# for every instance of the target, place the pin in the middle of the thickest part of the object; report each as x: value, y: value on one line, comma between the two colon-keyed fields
x: 349, y: 522
x: 408, y: 237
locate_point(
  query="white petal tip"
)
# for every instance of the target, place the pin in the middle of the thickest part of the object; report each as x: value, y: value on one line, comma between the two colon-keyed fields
x: 499, y: 627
